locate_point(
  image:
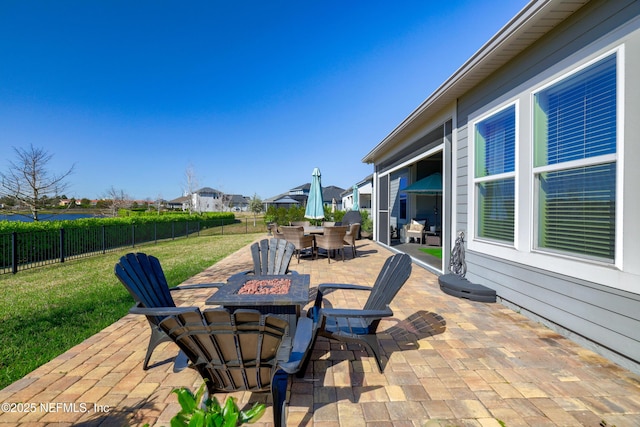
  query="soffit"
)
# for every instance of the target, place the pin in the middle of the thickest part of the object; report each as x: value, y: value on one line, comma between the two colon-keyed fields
x: 528, y: 26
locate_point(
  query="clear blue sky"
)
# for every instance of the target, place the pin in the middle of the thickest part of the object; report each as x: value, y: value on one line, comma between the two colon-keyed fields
x: 251, y: 94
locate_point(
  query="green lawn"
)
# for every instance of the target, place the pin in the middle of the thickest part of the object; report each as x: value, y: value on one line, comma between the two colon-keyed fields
x: 436, y: 252
x: 45, y: 311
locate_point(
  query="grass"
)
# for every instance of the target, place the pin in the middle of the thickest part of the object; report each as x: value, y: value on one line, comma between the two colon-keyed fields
x: 46, y: 311
x: 436, y: 252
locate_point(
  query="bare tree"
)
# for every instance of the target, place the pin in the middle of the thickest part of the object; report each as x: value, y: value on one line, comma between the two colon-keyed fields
x: 28, y: 180
x: 190, y: 187
x: 117, y: 199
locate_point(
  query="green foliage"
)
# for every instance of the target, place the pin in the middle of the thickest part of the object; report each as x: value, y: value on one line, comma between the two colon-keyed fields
x: 337, y: 216
x: 284, y: 216
x: 196, y: 413
x: 255, y: 205
x: 138, y: 219
x: 367, y: 223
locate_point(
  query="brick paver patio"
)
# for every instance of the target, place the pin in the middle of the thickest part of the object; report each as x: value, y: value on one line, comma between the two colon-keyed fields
x: 452, y: 362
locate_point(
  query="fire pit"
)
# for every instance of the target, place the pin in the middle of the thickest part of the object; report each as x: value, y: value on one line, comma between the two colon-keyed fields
x: 265, y: 287
x: 283, y: 295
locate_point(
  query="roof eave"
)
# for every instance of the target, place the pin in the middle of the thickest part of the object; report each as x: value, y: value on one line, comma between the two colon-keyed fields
x: 534, y: 21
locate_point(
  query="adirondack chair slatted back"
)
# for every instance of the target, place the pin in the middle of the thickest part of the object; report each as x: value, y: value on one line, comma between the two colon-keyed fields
x: 143, y: 277
x: 272, y: 256
x: 233, y: 351
x: 395, y: 271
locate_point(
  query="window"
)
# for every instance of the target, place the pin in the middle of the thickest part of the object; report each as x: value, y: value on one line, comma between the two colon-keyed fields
x: 495, y: 142
x: 575, y: 162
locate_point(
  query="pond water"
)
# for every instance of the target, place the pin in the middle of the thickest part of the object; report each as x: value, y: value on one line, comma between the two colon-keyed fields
x: 48, y: 217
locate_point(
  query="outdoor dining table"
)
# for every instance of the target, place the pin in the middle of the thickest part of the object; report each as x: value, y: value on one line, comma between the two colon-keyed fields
x: 313, y: 229
x: 285, y: 305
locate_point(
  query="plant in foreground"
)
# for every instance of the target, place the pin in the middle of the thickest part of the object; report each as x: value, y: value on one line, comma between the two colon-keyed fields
x: 210, y: 413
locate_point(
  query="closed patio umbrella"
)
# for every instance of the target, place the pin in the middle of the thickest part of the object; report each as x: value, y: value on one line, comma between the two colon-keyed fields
x: 356, y: 201
x: 315, y: 206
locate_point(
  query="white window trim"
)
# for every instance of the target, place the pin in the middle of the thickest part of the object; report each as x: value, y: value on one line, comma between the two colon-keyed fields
x: 609, y: 158
x: 522, y: 252
x: 472, y: 196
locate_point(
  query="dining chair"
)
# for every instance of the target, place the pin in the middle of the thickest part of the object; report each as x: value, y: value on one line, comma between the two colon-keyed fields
x: 331, y: 240
x: 351, y: 236
x: 295, y: 235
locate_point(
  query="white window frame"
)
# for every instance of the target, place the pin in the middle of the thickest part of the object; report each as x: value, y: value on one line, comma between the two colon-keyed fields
x: 616, y: 158
x: 522, y: 252
x: 473, y: 192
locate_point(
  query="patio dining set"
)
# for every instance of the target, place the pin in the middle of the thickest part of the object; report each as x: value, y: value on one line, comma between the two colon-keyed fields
x: 258, y: 333
x: 326, y: 239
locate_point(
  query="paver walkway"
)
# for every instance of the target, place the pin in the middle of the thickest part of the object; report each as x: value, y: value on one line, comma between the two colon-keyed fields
x: 452, y: 362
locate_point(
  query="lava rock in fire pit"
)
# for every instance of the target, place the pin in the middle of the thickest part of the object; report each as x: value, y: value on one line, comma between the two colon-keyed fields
x: 265, y: 287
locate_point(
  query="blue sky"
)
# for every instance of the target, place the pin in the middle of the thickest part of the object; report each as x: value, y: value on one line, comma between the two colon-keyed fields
x: 252, y: 95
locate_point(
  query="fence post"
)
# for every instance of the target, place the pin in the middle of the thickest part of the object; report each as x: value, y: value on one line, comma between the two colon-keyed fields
x: 133, y: 236
x: 173, y: 230
x: 155, y: 233
x: 14, y: 252
x: 198, y: 229
x: 222, y: 220
x: 104, y: 240
x: 246, y: 226
x: 62, y: 245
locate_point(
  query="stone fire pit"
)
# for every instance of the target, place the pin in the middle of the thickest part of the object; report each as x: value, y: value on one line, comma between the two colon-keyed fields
x: 266, y: 287
x: 282, y: 295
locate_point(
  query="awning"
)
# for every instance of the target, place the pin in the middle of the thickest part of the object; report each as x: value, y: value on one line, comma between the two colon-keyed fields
x: 429, y: 185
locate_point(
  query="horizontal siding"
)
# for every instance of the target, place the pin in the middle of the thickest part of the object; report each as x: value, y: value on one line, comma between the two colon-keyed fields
x: 462, y: 173
x: 606, y: 316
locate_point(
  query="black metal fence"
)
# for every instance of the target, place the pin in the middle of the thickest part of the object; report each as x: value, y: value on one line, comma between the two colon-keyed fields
x: 24, y: 250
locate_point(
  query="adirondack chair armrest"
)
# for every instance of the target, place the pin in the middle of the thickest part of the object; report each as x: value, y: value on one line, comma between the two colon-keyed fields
x: 161, y: 311
x: 237, y: 276
x: 301, y: 346
x: 326, y: 286
x: 346, y: 312
x: 323, y: 286
x: 197, y: 286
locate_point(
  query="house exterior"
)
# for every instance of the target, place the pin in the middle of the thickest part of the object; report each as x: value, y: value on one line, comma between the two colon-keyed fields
x: 299, y: 195
x: 365, y: 189
x: 537, y: 140
x: 236, y: 202
x: 205, y: 199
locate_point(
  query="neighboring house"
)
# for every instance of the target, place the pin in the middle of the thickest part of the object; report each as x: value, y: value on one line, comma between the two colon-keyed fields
x: 365, y: 188
x: 299, y: 195
x: 67, y: 202
x: 205, y: 199
x: 236, y: 202
x: 179, y: 203
x: 536, y: 138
